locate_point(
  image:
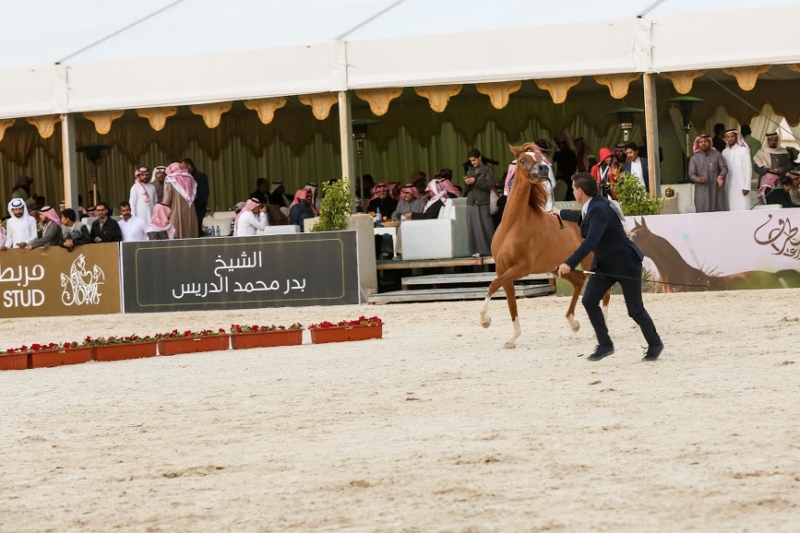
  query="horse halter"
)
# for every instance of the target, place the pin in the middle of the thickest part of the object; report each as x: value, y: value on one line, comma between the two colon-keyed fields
x: 532, y: 162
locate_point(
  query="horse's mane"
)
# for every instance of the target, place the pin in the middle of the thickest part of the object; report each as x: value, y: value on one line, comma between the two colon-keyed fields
x: 538, y: 196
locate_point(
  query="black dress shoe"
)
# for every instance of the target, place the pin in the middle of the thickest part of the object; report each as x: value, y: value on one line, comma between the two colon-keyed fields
x: 652, y: 352
x: 600, y: 352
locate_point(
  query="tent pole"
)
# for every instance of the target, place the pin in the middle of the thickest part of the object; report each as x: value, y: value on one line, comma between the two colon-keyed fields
x: 651, y: 130
x: 346, y: 138
x: 70, y: 161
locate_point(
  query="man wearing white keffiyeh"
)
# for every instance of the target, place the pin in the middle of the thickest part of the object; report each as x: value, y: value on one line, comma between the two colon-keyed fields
x: 143, y: 195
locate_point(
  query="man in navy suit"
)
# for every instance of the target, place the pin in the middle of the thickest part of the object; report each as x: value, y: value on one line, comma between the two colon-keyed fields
x: 636, y: 165
x: 616, y: 260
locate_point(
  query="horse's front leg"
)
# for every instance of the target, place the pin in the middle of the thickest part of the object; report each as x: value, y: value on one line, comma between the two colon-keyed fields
x: 511, y: 299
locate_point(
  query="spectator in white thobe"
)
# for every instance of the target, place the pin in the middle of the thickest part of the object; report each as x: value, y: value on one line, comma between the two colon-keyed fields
x: 20, y: 227
x: 740, y: 171
x: 251, y: 218
x: 143, y: 195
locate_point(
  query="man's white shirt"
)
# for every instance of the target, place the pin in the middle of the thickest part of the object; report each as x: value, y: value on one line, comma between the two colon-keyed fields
x: 133, y: 229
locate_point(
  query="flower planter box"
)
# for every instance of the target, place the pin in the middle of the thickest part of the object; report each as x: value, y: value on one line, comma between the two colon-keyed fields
x: 266, y: 339
x: 346, y: 333
x: 119, y: 352
x: 209, y: 343
x: 50, y: 358
x: 14, y: 361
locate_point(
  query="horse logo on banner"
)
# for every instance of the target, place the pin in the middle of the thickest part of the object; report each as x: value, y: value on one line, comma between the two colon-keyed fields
x: 82, y: 287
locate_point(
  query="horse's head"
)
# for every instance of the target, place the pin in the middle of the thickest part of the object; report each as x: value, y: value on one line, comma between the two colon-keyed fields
x: 530, y: 160
x: 640, y: 230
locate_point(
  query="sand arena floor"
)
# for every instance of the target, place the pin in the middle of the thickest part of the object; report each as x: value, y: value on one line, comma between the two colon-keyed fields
x: 434, y: 428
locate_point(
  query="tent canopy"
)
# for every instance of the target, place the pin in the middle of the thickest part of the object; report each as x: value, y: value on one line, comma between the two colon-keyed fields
x: 100, y: 55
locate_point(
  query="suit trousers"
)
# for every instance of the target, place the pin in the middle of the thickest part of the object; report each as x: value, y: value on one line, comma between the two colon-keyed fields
x: 631, y: 284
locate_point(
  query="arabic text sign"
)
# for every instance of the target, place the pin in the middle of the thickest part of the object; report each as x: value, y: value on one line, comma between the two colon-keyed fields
x: 240, y: 273
x: 54, y: 282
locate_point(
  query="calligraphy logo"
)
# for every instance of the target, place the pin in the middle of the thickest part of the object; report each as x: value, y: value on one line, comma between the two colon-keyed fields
x: 82, y: 287
x: 781, y: 237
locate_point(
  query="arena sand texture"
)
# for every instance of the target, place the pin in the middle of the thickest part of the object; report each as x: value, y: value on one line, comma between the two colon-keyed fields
x: 435, y: 428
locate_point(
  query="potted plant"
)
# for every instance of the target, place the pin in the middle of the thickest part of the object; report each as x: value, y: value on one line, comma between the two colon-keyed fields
x: 335, y: 208
x: 347, y: 330
x: 633, y: 198
x: 52, y: 354
x: 265, y: 336
x: 120, y: 348
x: 15, y: 358
x: 206, y: 340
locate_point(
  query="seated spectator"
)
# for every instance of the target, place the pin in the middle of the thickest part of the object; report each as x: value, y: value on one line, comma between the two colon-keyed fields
x: 105, y: 228
x: 277, y: 195
x: 301, y: 209
x: 446, y: 177
x: 51, y: 229
x: 781, y: 195
x: 251, y: 219
x: 410, y: 202
x: 381, y: 201
x: 420, y: 180
x: 262, y: 191
x: 73, y: 232
x: 133, y: 228
x: 394, y: 189
x: 794, y: 194
x: 160, y: 228
x: 437, y: 198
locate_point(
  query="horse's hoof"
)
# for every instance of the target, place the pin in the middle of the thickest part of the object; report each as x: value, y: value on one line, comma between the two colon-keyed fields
x: 509, y: 345
x: 574, y: 324
x: 486, y: 322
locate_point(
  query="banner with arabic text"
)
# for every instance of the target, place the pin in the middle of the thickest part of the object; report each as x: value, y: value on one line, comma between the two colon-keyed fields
x: 719, y: 251
x: 241, y: 272
x: 54, y: 282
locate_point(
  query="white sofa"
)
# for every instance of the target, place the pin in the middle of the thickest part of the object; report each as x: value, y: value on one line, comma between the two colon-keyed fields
x: 441, y: 238
x: 276, y: 230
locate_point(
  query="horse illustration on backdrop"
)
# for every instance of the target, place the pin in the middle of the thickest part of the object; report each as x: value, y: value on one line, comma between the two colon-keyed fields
x: 677, y: 275
x: 530, y: 240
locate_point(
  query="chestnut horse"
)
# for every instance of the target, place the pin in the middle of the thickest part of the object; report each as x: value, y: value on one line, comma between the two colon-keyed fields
x: 531, y: 241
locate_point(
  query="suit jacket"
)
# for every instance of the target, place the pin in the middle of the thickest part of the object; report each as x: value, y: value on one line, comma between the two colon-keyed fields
x: 111, y: 231
x: 51, y: 236
x: 604, y: 235
x: 203, y: 191
x: 646, y: 178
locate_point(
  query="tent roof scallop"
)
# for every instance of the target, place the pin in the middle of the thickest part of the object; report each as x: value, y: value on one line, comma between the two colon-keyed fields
x: 89, y: 55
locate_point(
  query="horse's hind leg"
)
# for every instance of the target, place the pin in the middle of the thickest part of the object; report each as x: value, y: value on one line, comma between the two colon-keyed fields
x: 511, y: 299
x: 606, y: 298
x: 577, y: 279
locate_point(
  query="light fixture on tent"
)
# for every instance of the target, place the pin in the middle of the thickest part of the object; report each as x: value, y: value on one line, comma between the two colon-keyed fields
x: 93, y: 153
x: 685, y: 106
x: 625, y: 120
x: 360, y: 135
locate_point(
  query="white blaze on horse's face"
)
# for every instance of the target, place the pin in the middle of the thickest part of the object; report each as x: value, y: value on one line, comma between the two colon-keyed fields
x: 531, y: 162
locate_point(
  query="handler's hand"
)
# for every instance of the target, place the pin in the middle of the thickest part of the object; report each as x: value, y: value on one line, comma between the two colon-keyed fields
x: 720, y: 181
x: 555, y: 213
x: 701, y: 179
x: 563, y: 269
x: 745, y: 192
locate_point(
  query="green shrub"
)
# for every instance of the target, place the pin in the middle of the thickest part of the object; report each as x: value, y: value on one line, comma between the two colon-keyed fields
x: 336, y: 204
x: 633, y: 198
